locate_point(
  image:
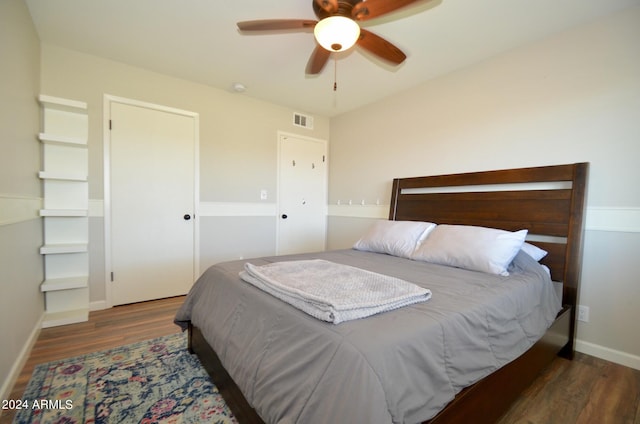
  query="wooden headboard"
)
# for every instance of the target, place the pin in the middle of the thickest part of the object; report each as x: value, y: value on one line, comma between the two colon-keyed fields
x: 549, y: 201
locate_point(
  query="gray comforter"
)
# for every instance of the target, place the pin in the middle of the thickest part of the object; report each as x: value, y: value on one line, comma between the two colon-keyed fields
x: 399, y: 366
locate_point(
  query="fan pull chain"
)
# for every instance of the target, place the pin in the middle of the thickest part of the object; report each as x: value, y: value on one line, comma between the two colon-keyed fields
x: 335, y: 74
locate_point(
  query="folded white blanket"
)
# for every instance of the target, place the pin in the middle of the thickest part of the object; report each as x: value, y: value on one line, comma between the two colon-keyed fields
x: 333, y: 292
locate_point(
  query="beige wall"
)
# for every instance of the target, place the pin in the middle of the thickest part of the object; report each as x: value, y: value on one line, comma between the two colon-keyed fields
x: 237, y: 133
x: 569, y: 98
x: 238, y: 150
x: 21, y: 266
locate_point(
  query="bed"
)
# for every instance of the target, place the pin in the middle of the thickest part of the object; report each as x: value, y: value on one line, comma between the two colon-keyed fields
x: 295, y: 368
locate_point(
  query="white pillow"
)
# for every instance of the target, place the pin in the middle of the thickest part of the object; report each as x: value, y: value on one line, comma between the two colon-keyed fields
x: 475, y: 248
x: 534, y: 251
x: 397, y: 238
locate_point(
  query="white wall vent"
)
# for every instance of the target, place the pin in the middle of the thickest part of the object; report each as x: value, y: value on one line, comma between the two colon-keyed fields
x: 304, y: 121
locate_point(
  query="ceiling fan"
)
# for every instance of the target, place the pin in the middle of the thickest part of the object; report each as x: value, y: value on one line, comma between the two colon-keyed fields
x: 337, y: 29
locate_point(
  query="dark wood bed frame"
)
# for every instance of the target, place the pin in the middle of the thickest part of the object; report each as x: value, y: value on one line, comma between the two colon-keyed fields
x: 554, y: 214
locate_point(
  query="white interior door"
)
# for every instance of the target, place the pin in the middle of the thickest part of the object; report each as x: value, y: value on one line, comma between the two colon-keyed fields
x: 302, y: 195
x: 152, y: 170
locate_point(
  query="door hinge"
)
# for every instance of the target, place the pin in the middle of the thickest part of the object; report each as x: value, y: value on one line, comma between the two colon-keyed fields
x: 109, y: 124
x: 323, y: 158
x: 112, y: 276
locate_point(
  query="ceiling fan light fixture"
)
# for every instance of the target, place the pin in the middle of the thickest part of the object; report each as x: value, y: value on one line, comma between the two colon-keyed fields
x: 337, y: 33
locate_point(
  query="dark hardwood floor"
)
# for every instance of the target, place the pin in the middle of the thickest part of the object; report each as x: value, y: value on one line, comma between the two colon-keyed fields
x: 586, y: 390
x: 583, y: 391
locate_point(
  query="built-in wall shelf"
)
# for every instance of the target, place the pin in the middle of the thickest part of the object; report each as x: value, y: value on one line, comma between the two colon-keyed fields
x: 61, y: 213
x: 51, y: 102
x: 57, y: 249
x: 55, y: 319
x: 62, y: 141
x: 66, y: 203
x: 64, y: 283
x: 62, y: 176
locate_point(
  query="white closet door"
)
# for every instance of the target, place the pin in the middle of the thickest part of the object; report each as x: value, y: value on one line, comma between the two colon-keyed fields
x: 152, y: 173
x: 302, y: 195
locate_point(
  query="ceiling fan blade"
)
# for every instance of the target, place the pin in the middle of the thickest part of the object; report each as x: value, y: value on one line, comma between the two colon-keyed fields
x: 329, y: 6
x: 370, y: 9
x: 276, y: 24
x: 380, y: 47
x: 318, y: 60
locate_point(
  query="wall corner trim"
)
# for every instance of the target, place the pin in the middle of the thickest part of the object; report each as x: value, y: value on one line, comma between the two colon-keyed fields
x: 237, y: 209
x: 15, y: 209
x: 618, y: 219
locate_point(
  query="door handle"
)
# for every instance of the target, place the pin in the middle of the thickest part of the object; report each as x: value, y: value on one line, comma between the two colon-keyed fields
x: 187, y: 217
x: 284, y: 216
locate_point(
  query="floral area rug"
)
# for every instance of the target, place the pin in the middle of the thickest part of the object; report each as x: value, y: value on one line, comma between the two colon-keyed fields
x: 155, y: 381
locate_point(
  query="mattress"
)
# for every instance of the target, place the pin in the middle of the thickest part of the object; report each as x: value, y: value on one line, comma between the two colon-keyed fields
x: 401, y: 366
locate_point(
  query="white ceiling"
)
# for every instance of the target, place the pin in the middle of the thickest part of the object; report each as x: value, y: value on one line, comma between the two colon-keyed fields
x: 198, y: 40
